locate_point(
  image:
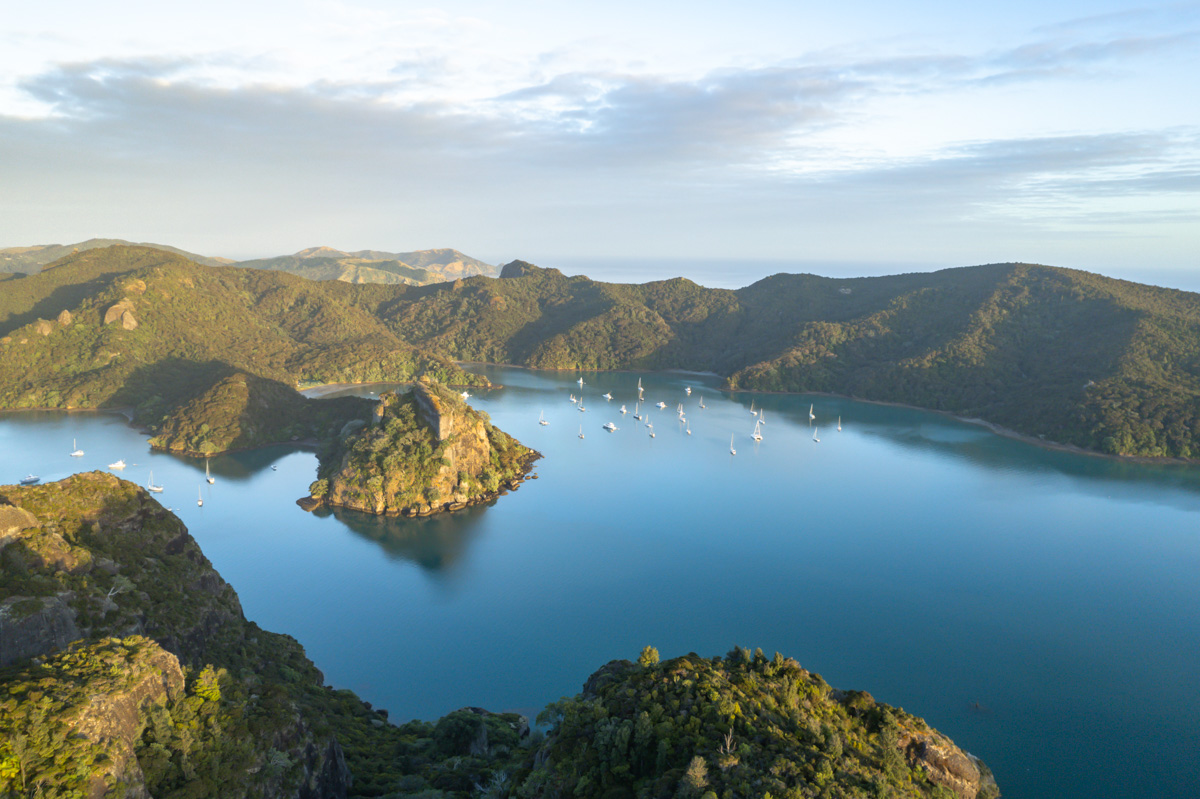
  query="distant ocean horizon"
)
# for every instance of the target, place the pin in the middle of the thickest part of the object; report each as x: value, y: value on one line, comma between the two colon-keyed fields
x: 734, y: 273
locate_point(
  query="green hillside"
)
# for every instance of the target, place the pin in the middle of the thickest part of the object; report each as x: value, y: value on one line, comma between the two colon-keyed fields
x: 1067, y: 355
x: 128, y: 326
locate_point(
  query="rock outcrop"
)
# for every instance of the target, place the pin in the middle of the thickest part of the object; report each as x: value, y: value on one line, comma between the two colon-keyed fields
x: 427, y: 451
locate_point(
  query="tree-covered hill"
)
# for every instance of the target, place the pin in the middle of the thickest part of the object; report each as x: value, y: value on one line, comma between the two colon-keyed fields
x: 1066, y: 355
x: 128, y: 326
x: 1070, y: 356
x: 373, y: 266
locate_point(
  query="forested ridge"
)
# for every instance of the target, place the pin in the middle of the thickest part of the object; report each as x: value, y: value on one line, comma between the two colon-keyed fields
x: 1070, y: 356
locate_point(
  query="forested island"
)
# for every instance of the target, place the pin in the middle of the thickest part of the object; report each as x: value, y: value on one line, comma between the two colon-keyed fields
x: 1063, y: 355
x: 127, y: 669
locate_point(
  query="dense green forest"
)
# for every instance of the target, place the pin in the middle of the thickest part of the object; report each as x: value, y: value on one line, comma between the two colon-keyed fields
x: 128, y: 669
x: 1066, y: 355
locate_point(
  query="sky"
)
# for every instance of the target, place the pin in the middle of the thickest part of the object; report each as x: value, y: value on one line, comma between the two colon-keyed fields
x: 854, y: 136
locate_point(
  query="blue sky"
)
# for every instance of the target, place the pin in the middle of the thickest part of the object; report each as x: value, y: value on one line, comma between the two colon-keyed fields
x: 924, y: 134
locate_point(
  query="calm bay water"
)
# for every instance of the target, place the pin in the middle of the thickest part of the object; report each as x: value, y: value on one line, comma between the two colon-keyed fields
x: 1041, y: 608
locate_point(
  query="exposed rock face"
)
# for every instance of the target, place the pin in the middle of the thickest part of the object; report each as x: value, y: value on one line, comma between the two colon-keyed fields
x: 116, y: 312
x: 114, y: 721
x: 947, y: 765
x: 43, y: 327
x: 65, y: 318
x: 128, y: 322
x: 32, y: 626
x: 426, y: 452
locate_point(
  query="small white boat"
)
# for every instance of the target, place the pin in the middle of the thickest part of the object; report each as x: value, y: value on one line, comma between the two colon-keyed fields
x: 573, y: 398
x: 839, y: 424
x: 76, y: 451
x: 811, y: 415
x: 688, y: 390
x: 637, y: 413
x: 689, y: 428
x: 581, y: 382
x: 117, y: 465
x: 581, y: 431
x: 756, y: 435
x: 150, y: 486
x: 29, y: 480
x: 762, y: 416
x: 623, y: 411
x: 274, y: 468
x: 640, y: 397
x: 701, y: 400
x: 648, y: 422
x: 607, y: 395
x: 732, y: 451
x: 815, y: 439
x: 208, y: 475
x: 660, y: 405
x: 466, y: 395
x: 752, y: 411
x: 199, y: 499
x: 542, y: 418
x: 610, y: 427
x: 651, y: 430
x: 581, y: 408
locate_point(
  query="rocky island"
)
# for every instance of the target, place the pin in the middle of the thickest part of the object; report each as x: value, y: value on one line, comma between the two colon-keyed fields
x: 423, y: 451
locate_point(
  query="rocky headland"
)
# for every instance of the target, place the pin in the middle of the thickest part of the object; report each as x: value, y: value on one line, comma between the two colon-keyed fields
x: 424, y: 451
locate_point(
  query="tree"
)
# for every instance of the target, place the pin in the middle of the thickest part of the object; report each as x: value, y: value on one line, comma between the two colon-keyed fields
x: 649, y: 657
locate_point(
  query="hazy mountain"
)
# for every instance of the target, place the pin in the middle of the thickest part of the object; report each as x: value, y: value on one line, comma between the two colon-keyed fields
x: 32, y: 259
x: 374, y: 266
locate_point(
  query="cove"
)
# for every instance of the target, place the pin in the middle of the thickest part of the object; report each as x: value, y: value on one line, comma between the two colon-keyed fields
x: 1038, y: 606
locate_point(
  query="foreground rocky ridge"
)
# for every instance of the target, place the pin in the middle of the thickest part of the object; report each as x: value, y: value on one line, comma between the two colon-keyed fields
x: 145, y: 678
x: 424, y: 451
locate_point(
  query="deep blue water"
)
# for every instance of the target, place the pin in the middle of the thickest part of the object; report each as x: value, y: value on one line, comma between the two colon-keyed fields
x: 1042, y: 608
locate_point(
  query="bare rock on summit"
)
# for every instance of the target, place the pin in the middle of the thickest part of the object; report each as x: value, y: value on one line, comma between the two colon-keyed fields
x: 65, y: 318
x: 117, y: 312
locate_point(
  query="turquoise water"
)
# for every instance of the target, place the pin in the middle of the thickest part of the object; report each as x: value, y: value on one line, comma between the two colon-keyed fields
x: 1041, y: 608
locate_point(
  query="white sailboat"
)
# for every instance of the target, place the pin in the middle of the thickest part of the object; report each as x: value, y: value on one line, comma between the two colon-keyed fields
x: 581, y: 431
x: 580, y: 381
x: 623, y: 411
x: 688, y: 391
x: 76, y: 452
x: 701, y: 400
x: 610, y: 427
x: 542, y: 418
x: 651, y: 426
x: 466, y: 395
x: 150, y: 486
x: 815, y: 439
x: 752, y: 411
x: 660, y: 405
x: 207, y: 474
x: 637, y: 413
x: 689, y: 428
x: 762, y: 416
x: 640, y: 397
x: 839, y: 424
x: 199, y: 498
x: 573, y: 398
x: 117, y: 464
x: 607, y: 395
x: 811, y: 415
x: 732, y: 451
x: 756, y: 435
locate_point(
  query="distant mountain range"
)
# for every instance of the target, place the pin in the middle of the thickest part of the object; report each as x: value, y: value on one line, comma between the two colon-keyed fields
x: 417, y: 268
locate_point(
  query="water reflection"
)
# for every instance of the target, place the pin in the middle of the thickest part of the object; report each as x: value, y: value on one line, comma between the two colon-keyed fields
x: 435, y: 543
